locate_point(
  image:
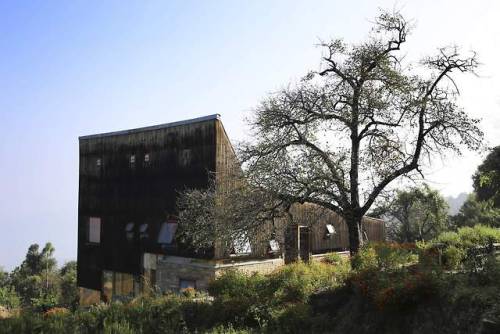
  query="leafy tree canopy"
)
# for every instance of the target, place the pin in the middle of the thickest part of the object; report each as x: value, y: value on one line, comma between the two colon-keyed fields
x: 487, y: 178
x: 474, y: 212
x: 36, y: 276
x: 419, y: 213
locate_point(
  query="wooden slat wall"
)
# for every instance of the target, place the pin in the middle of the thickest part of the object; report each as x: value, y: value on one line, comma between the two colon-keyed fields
x: 317, y: 218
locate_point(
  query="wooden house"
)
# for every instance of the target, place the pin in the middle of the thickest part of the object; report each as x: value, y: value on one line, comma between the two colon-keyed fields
x: 129, y: 182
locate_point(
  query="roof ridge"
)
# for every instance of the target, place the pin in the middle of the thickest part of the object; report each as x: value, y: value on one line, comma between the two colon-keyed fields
x: 152, y: 127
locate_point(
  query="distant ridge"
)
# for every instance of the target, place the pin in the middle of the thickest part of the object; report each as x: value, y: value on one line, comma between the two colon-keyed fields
x: 455, y: 203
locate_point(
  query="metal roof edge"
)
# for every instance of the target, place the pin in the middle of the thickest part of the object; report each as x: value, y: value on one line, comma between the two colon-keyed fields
x: 152, y: 127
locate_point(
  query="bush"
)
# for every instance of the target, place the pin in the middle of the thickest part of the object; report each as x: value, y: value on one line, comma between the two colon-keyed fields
x: 9, y: 298
x: 466, y: 248
x: 45, y: 302
x: 297, y: 281
x: 334, y: 259
x: 385, y: 256
x: 365, y: 259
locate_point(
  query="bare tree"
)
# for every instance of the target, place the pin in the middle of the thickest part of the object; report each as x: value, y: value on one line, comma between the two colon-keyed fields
x: 343, y: 134
x: 229, y: 210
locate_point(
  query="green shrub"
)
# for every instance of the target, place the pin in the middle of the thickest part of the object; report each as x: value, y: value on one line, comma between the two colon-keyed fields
x: 385, y: 256
x: 466, y: 248
x: 117, y: 327
x: 448, y: 238
x: 453, y: 257
x: 235, y: 284
x: 334, y: 259
x: 292, y: 318
x: 9, y: 298
x: 44, y: 302
x: 365, y: 259
x: 297, y: 281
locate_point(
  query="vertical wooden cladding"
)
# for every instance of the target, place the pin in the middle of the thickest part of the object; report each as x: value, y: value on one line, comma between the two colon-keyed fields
x: 121, y: 190
x: 226, y: 161
x: 317, y: 218
x: 225, y: 164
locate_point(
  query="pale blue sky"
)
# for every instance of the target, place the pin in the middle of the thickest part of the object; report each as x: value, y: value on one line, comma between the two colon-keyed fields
x: 70, y: 68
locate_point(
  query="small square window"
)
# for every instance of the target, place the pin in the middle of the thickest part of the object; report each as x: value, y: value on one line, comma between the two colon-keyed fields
x: 132, y: 159
x: 330, y: 230
x: 146, y: 157
x: 241, y: 245
x: 129, y: 227
x: 143, y: 231
x: 94, y: 230
x: 186, y: 284
x: 167, y: 233
x: 129, y: 230
x: 274, y: 246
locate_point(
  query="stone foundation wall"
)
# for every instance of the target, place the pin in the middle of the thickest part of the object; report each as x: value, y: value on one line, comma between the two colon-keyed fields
x: 266, y: 266
x: 170, y: 270
x: 89, y: 296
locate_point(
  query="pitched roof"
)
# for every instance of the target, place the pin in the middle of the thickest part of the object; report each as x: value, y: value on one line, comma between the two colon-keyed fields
x: 153, y: 127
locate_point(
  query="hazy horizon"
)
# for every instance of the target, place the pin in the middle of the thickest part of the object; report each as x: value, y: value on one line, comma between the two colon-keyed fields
x: 77, y: 68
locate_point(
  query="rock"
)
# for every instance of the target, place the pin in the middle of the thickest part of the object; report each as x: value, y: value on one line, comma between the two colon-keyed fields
x: 4, y: 313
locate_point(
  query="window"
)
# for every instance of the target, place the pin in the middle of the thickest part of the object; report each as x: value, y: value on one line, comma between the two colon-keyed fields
x: 330, y: 230
x: 274, y: 246
x: 143, y: 231
x: 167, y: 233
x: 186, y: 284
x: 129, y: 230
x: 184, y: 157
x: 147, y: 160
x: 118, y: 284
x: 241, y: 245
x: 98, y: 162
x: 132, y: 159
x: 123, y: 285
x: 94, y: 230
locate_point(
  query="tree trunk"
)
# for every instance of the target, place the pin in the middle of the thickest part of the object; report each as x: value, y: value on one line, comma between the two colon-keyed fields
x: 355, y: 233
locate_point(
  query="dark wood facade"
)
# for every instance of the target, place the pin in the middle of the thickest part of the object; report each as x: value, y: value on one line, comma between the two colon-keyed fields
x: 130, y: 179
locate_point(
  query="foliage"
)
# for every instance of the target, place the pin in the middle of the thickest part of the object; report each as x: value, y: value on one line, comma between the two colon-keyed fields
x: 390, y: 293
x: 4, y: 276
x: 36, y: 278
x: 385, y: 256
x: 335, y: 259
x: 395, y: 289
x: 39, y: 284
x: 465, y: 248
x: 44, y: 302
x: 415, y: 214
x: 487, y: 178
x: 297, y: 281
x: 274, y: 300
x: 474, y: 212
x: 69, y: 291
x: 9, y: 298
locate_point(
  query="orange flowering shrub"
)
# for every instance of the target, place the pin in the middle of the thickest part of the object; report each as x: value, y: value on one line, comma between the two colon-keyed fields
x: 395, y: 289
x: 56, y: 311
